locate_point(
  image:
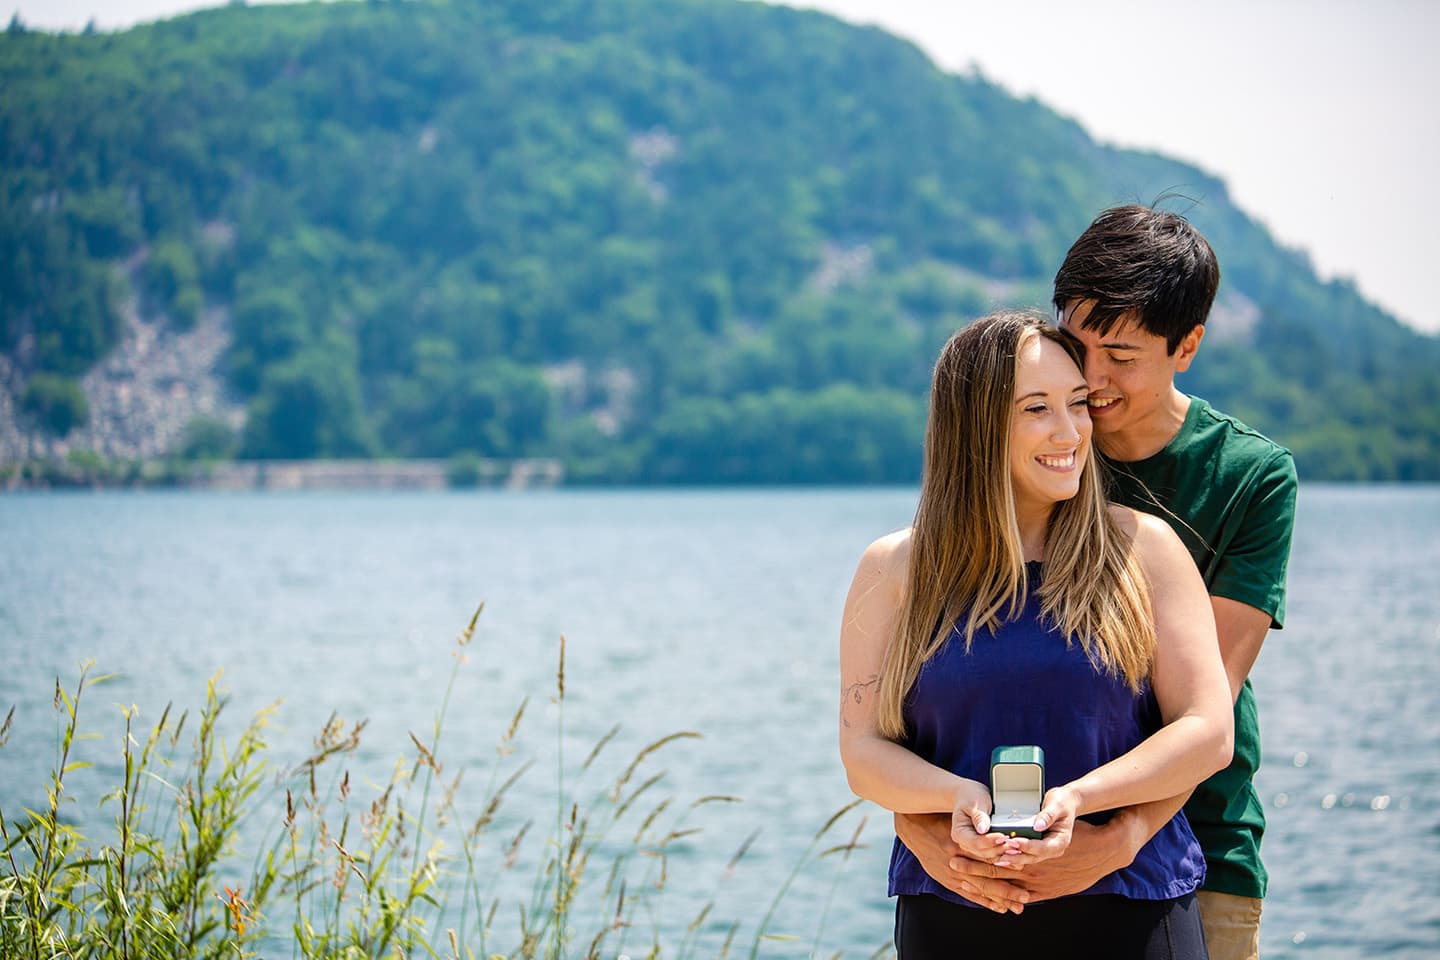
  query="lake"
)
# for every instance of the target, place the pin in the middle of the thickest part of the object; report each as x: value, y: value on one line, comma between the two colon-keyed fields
x: 714, y: 611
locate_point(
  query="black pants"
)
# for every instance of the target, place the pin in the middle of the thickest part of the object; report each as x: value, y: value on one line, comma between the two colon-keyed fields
x: 1099, y: 926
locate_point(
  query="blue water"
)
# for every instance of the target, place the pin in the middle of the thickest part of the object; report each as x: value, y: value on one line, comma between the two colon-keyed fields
x: 712, y: 611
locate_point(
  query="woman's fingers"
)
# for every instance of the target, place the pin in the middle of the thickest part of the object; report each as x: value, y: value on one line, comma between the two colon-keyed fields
x: 970, y: 824
x: 971, y: 832
x: 973, y: 843
x: 1058, y: 808
x: 1023, y: 850
x: 1056, y: 821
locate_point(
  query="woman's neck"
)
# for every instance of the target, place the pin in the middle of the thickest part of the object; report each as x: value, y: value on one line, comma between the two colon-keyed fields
x: 1034, y: 530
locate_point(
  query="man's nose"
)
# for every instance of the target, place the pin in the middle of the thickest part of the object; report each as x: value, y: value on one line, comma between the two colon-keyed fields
x: 1095, y: 376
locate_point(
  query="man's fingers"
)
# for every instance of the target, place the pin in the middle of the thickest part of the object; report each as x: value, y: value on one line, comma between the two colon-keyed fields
x: 995, y: 906
x: 982, y: 896
x: 971, y: 868
x: 975, y: 895
x: 981, y: 881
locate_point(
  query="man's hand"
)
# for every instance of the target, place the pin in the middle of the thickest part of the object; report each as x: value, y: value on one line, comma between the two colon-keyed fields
x: 1093, y: 853
x: 928, y: 836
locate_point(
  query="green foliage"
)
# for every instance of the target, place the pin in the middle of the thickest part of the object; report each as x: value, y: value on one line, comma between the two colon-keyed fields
x: 269, y: 327
x: 464, y: 469
x: 208, y: 438
x: 105, y: 221
x: 171, y: 280
x: 57, y: 402
x: 86, y: 468
x: 308, y: 406
x: 720, y: 203
x: 493, y: 408
x: 838, y: 434
x: 134, y: 897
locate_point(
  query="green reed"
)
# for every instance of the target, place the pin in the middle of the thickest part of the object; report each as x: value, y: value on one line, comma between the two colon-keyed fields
x: 216, y: 852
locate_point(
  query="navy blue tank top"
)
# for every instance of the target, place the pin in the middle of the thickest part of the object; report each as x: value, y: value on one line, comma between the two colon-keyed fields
x: 1026, y: 685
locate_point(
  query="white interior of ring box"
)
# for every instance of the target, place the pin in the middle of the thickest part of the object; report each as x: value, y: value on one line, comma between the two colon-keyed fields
x: 1016, y: 793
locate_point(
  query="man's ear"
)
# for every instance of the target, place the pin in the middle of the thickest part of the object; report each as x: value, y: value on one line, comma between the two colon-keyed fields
x: 1185, y: 352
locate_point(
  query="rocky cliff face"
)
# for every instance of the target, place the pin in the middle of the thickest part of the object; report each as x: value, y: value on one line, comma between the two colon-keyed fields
x: 141, y: 397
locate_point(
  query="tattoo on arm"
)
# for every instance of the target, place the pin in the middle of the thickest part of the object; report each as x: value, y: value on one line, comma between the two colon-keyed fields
x: 855, y: 693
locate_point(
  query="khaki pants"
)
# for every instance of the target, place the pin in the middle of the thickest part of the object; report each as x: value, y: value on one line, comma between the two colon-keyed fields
x: 1232, y: 925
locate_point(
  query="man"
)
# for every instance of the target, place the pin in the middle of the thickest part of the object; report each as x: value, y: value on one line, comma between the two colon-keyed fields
x: 1135, y: 289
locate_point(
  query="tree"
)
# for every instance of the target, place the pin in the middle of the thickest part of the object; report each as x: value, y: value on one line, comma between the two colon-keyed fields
x: 208, y: 438
x: 308, y: 406
x: 269, y: 327
x: 171, y: 282
x: 58, y: 403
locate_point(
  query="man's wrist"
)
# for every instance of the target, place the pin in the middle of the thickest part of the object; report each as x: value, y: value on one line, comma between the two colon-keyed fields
x: 1126, y: 835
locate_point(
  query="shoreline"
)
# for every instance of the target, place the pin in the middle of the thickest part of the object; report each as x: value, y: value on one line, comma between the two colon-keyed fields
x: 284, y: 475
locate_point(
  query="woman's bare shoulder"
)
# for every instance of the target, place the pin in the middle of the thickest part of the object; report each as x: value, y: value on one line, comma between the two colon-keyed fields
x: 887, y: 558
x: 1155, y: 540
x: 878, y: 587
x: 1125, y: 518
x: 897, y: 543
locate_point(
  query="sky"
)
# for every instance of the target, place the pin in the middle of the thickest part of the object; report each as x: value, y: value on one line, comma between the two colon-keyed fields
x: 1320, y: 115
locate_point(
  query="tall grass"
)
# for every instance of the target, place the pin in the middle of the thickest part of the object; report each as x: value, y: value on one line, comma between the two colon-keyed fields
x: 216, y: 851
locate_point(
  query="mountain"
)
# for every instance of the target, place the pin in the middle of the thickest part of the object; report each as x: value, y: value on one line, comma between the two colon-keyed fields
x: 682, y: 241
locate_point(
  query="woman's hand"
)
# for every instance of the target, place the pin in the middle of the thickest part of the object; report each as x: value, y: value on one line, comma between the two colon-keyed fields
x: 970, y: 823
x: 1056, y: 824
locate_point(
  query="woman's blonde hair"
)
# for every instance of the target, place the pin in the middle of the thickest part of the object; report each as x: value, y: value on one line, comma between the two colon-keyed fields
x: 967, y: 565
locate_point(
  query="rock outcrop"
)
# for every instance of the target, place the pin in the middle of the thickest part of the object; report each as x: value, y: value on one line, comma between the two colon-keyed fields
x: 140, y: 398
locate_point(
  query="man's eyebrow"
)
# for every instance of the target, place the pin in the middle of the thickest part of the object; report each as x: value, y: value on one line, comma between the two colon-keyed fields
x: 1064, y: 327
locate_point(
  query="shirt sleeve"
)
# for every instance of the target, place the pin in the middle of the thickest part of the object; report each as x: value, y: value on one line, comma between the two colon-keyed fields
x: 1252, y: 568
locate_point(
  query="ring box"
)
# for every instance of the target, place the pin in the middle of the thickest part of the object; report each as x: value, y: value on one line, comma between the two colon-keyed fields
x: 1017, y: 785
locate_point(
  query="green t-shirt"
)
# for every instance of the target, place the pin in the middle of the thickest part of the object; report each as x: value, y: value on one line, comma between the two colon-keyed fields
x: 1230, y: 494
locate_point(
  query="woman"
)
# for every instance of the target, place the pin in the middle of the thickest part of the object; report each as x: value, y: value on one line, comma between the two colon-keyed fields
x: 1021, y: 608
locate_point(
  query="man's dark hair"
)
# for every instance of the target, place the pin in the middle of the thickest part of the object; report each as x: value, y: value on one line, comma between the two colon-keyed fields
x: 1140, y: 259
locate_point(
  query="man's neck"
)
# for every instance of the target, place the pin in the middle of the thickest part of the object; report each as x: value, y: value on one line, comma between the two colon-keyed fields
x: 1143, y: 440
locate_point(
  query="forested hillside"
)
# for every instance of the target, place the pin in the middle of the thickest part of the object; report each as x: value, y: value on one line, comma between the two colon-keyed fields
x: 681, y: 241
